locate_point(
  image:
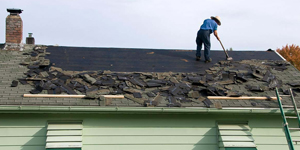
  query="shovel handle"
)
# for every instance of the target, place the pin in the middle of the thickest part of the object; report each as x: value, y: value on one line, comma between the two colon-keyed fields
x: 223, y: 48
x: 222, y: 45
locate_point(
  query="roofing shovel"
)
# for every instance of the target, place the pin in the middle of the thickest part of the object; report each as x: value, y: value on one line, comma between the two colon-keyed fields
x: 227, y: 56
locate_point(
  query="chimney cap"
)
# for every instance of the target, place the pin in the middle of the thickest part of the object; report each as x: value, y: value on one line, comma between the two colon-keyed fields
x: 14, y: 10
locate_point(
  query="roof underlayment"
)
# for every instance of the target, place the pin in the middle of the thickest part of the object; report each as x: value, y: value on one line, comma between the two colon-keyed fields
x: 151, y: 78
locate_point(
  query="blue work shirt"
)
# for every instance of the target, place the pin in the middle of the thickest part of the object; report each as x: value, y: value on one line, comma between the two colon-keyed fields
x: 209, y: 24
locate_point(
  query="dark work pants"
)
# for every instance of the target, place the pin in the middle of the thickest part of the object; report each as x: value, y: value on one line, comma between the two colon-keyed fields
x: 203, y: 37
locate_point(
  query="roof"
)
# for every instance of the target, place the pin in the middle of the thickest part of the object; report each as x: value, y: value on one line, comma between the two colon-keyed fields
x: 147, y: 77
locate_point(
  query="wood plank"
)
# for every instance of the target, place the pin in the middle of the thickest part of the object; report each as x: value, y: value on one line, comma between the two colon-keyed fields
x: 67, y: 96
x: 269, y: 140
x: 75, y: 148
x: 149, y: 140
x: 236, y: 139
x: 31, y: 132
x: 149, y: 131
x: 151, y: 147
x: 64, y: 132
x: 15, y: 141
x: 22, y: 147
x: 272, y: 132
x: 179, y: 140
x: 276, y: 147
x: 241, y: 98
x: 114, y: 96
x: 233, y: 127
x: 64, y: 139
x: 235, y: 132
x: 53, y: 95
x: 64, y: 126
x: 64, y: 145
x: 149, y: 121
x: 237, y: 144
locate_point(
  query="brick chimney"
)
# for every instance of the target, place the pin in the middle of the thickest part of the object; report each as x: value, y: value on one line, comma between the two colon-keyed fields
x: 14, y: 30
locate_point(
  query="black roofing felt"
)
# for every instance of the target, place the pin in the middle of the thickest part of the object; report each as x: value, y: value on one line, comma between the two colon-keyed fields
x: 142, y: 60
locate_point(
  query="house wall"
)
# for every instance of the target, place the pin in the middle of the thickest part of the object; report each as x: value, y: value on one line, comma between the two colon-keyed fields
x: 141, y: 131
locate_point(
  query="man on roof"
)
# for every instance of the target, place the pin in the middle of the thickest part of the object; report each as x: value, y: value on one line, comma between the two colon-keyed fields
x: 203, y: 37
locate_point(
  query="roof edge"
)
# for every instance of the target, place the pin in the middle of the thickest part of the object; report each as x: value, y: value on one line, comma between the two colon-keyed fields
x: 84, y: 109
x: 145, y: 48
x: 280, y: 55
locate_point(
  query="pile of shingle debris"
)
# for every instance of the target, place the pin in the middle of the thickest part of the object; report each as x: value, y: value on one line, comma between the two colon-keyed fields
x: 149, y: 89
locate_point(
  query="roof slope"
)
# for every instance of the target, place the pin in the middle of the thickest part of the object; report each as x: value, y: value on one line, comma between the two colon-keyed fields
x: 181, y: 88
x: 142, y: 60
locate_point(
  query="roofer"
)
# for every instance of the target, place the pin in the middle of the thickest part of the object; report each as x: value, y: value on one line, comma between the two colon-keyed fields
x: 203, y: 37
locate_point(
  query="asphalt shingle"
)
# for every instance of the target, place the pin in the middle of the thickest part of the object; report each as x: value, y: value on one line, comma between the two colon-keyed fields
x: 12, y: 70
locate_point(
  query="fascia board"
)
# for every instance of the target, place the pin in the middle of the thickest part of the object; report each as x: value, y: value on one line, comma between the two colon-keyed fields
x: 82, y: 109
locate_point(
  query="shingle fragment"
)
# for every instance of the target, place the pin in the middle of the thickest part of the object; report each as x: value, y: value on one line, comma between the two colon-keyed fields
x: 89, y: 79
x: 207, y: 103
x: 294, y: 84
x: 137, y: 95
x: 68, y: 90
x: 241, y: 77
x: 137, y: 100
x: 273, y: 83
x: 14, y: 83
x: 255, y: 88
x: 218, y: 105
x: 38, y: 89
x: 138, y: 82
x: 193, y: 94
x: 150, y: 94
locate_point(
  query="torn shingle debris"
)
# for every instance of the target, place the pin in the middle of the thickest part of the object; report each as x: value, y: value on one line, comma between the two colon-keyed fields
x: 165, y: 89
x: 14, y: 83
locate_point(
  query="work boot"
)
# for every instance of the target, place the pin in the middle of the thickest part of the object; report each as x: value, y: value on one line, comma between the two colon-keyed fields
x: 209, y: 60
x: 198, y: 58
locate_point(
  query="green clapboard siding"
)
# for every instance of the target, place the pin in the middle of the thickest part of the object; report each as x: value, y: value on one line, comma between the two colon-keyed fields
x: 32, y: 141
x: 25, y: 147
x: 150, y: 140
x: 149, y: 131
x: 151, y: 147
x: 240, y: 148
x: 276, y: 147
x: 22, y: 131
x: 142, y: 131
x: 63, y: 149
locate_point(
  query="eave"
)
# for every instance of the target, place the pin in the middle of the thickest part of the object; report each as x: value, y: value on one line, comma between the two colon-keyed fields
x: 137, y: 110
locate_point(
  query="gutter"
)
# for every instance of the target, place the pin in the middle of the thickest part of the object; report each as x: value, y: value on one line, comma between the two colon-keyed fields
x: 84, y: 109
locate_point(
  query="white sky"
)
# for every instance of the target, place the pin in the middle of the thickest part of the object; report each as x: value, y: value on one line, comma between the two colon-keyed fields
x: 160, y: 24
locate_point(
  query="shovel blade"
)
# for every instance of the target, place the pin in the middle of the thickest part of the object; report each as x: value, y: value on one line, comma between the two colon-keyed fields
x: 229, y: 58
